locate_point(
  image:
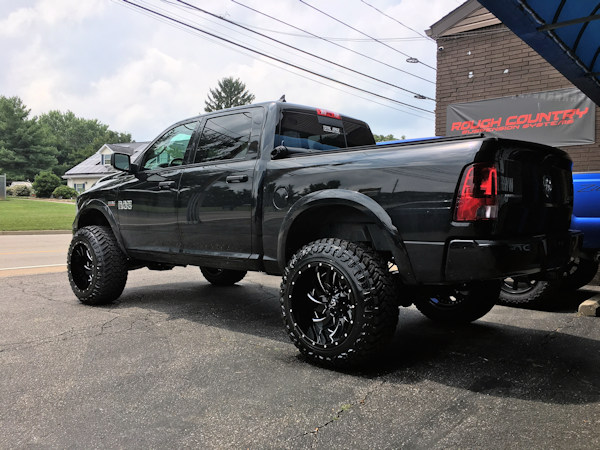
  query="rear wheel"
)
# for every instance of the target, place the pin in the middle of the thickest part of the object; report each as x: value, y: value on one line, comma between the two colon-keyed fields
x: 222, y: 277
x: 525, y: 291
x: 579, y: 273
x: 462, y: 304
x: 337, y: 302
x: 96, y: 265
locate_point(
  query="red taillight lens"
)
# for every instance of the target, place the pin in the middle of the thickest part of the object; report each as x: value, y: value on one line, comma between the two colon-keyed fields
x: 477, y: 196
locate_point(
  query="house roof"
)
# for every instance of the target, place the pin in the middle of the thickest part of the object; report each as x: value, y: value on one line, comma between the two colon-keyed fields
x: 467, y: 17
x: 93, y: 165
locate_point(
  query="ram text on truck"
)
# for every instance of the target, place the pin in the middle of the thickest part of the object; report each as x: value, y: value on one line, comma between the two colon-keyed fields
x: 354, y: 229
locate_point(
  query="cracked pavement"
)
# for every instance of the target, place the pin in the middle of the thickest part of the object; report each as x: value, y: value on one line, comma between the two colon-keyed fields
x: 177, y: 363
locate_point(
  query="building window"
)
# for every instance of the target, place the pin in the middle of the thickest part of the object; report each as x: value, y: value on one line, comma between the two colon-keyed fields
x: 79, y: 187
x: 106, y: 159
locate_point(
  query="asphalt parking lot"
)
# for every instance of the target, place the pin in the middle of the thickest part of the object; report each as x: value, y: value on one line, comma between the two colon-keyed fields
x: 180, y: 363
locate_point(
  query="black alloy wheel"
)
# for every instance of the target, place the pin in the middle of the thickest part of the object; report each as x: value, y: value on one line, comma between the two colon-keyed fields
x: 459, y: 305
x: 222, y: 277
x: 97, y: 268
x: 338, y: 302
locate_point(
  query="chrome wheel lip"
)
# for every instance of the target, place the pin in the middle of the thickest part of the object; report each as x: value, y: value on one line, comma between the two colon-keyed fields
x: 330, y: 302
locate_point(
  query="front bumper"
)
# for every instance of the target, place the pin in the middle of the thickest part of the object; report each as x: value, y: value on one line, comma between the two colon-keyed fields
x: 469, y: 260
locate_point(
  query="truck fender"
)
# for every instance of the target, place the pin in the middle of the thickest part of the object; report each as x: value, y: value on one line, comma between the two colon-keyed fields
x: 362, y: 203
x: 95, y: 207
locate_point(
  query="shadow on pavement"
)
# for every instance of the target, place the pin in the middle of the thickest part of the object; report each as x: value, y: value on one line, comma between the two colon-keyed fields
x: 550, y: 364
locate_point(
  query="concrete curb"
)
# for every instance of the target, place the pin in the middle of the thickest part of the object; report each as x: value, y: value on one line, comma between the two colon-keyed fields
x: 591, y: 307
x: 16, y: 233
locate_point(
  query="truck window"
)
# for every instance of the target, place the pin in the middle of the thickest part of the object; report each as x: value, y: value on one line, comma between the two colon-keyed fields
x: 225, y: 137
x: 170, y: 148
x: 310, y: 131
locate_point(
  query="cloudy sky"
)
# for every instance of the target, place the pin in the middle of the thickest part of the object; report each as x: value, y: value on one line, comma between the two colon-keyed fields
x: 139, y: 73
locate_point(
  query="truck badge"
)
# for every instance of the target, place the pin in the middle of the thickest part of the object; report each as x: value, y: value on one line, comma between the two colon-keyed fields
x: 547, y: 183
x: 124, y: 204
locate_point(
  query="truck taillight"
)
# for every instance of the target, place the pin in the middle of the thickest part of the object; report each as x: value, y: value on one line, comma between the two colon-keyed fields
x: 331, y: 114
x: 477, y: 197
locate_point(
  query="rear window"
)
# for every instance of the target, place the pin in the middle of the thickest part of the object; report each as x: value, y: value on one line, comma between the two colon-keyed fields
x: 315, y: 132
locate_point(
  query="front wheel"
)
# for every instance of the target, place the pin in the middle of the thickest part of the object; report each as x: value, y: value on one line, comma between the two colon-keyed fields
x: 222, y: 277
x: 458, y: 305
x: 338, y: 302
x: 96, y: 265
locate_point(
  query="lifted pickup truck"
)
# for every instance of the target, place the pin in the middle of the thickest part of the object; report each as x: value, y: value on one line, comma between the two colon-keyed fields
x: 355, y: 229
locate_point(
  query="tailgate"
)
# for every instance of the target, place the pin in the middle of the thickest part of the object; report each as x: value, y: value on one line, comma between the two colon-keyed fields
x: 535, y: 189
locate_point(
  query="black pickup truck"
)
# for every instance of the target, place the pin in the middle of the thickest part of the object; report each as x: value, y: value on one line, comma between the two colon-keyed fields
x: 354, y: 229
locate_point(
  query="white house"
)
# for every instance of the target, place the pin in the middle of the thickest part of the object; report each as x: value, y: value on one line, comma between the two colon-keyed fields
x: 85, y: 174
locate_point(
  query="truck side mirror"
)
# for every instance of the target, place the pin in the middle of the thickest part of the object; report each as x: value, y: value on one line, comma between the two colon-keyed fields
x: 122, y: 162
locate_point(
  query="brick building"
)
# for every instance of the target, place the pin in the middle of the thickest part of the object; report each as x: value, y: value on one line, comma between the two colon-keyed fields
x: 479, y: 58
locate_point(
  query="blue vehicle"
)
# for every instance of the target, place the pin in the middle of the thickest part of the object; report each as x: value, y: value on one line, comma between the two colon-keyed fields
x: 583, y: 269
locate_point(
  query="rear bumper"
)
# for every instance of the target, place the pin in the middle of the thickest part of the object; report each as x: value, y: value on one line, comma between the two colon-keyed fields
x: 469, y: 260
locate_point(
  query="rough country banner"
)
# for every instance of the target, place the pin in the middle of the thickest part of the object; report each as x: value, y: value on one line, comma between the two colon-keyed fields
x: 560, y: 118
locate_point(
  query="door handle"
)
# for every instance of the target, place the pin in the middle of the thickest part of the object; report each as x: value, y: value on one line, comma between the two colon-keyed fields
x: 236, y: 178
x: 165, y: 185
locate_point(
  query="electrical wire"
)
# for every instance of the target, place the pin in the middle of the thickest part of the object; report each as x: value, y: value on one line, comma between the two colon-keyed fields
x: 397, y: 21
x: 279, y: 66
x: 303, y: 51
x: 365, y: 34
x: 261, y: 53
x: 186, y: 8
x: 333, y: 43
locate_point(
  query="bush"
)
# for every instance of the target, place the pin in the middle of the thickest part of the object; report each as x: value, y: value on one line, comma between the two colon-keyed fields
x: 19, y: 191
x: 45, y: 182
x: 64, y: 192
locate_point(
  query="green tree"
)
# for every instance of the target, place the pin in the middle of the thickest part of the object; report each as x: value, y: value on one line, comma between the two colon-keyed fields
x: 45, y: 183
x: 389, y: 137
x: 76, y: 138
x: 229, y: 93
x: 25, y: 144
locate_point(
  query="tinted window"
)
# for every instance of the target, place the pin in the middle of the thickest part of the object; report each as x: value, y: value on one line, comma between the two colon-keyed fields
x: 304, y: 131
x: 225, y: 137
x: 311, y: 131
x: 170, y: 148
x: 358, y: 134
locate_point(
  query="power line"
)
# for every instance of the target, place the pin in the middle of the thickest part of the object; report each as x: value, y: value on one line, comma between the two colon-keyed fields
x: 397, y: 21
x: 333, y: 43
x: 300, y: 50
x: 258, y: 52
x: 365, y: 34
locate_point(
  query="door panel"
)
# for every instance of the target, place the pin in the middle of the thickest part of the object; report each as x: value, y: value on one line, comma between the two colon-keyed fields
x: 216, y: 204
x: 216, y: 209
x: 147, y: 205
x: 147, y: 212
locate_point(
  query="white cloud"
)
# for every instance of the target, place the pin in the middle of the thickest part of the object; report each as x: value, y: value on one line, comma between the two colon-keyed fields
x: 49, y: 13
x: 101, y: 60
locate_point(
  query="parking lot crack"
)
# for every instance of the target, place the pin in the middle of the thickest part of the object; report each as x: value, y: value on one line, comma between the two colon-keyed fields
x: 343, y: 410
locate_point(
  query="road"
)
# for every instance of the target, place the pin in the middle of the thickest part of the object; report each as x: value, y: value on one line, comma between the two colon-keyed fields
x: 28, y: 254
x: 177, y: 363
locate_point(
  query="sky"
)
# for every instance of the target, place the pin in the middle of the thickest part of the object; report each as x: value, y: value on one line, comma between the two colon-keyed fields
x: 137, y: 73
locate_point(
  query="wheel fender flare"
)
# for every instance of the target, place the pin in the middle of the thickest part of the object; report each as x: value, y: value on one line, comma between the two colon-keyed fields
x: 360, y: 202
x: 100, y: 206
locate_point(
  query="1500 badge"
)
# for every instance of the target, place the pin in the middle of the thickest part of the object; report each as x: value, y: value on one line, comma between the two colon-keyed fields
x: 124, y: 204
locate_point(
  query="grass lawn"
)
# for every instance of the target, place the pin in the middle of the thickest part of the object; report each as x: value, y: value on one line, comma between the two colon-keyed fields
x: 24, y: 214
